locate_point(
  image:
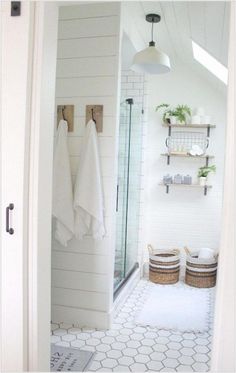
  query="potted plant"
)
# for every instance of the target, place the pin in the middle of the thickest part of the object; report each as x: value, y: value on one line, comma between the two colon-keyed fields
x: 203, y: 172
x: 168, y: 114
x: 178, y: 115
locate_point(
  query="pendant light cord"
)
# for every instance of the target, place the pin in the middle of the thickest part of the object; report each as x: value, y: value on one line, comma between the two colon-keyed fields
x: 152, y: 31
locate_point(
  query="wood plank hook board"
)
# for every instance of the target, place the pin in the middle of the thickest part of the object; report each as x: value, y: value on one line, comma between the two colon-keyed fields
x: 95, y: 112
x: 66, y: 112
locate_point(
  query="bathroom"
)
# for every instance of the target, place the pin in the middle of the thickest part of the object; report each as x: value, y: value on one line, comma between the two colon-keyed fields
x: 157, y: 174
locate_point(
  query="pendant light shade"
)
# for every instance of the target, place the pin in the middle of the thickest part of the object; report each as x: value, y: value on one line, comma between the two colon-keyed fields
x: 151, y: 60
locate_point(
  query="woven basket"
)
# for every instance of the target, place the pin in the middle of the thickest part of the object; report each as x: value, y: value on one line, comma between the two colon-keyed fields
x: 164, y: 266
x: 200, y: 273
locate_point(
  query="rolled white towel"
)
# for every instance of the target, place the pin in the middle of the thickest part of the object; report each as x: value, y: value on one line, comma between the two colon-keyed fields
x: 206, y: 253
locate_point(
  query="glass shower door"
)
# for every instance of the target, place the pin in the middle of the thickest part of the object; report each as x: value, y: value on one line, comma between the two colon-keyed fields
x: 128, y: 191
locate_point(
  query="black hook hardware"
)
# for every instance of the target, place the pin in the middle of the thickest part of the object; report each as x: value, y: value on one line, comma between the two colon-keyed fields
x: 93, y: 116
x: 8, y: 229
x: 15, y: 8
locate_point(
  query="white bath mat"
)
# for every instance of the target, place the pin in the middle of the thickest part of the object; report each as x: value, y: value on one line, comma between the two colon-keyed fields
x: 65, y: 359
x: 176, y: 307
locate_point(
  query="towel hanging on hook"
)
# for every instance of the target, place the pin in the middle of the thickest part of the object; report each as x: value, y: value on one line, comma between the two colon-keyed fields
x: 93, y: 116
x: 62, y: 112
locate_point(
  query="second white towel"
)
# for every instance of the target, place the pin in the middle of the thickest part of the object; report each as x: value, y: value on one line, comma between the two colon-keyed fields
x: 88, y: 193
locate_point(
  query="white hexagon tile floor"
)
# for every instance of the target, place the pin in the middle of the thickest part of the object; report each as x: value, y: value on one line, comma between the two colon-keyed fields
x: 127, y: 347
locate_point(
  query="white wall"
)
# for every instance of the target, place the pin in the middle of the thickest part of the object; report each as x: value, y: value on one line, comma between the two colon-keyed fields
x: 184, y: 216
x: 87, y: 73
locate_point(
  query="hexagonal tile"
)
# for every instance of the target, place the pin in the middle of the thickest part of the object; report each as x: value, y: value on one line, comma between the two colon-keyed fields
x: 98, y: 334
x: 174, y: 345
x: 187, y: 351
x: 74, y: 330
x: 118, y: 346
x: 133, y: 344
x: 126, y: 331
x: 60, y: 332
x: 122, y: 338
x: 121, y: 368
x: 162, y: 340
x: 87, y: 329
x: 55, y: 339
x: 189, y: 336
x: 112, y: 333
x: 188, y: 343
x: 151, y: 335
x: 155, y: 365
x: 175, y: 338
x: 126, y: 360
x: 201, y: 349
x: 109, y: 363
x: 201, y: 358
x: 93, y: 342
x: 186, y: 360
x: 168, y: 370
x: 115, y: 354
x: 184, y: 368
x: 103, y: 348
x: 54, y: 327
x: 139, y: 329
x: 108, y: 340
x: 164, y: 333
x: 145, y: 350
x: 158, y: 356
x: 140, y: 358
x: 173, y: 353
x: 199, y: 341
x: 130, y: 352
x: 147, y: 342
x: 77, y: 343
x: 200, y: 367
x: 170, y: 363
x: 89, y: 348
x: 100, y: 356
x: 160, y: 348
x: 68, y: 337
x: 136, y: 367
x: 136, y: 336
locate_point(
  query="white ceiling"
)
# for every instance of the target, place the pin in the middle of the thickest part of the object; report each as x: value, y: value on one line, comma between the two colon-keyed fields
x: 205, y: 22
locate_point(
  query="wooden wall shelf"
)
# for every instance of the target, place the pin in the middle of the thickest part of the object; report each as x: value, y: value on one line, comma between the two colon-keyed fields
x: 197, y: 186
x: 183, y: 126
x: 205, y: 156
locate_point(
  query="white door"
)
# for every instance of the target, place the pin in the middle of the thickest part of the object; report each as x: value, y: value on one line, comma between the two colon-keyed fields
x: 24, y: 321
x: 15, y: 71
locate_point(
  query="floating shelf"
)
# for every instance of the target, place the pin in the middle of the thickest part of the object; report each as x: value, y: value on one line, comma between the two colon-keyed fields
x: 182, y: 126
x: 206, y: 157
x: 197, y: 186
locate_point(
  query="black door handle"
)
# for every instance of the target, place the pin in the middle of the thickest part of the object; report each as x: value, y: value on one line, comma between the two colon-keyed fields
x: 8, y: 229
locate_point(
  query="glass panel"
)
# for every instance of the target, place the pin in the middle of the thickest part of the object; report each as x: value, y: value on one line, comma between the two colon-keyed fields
x: 128, y: 188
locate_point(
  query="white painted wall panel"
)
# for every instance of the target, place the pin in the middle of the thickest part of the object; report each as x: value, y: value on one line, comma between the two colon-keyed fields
x: 87, y: 73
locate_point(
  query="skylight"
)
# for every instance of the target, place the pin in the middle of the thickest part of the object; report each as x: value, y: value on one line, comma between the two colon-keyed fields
x: 210, y: 63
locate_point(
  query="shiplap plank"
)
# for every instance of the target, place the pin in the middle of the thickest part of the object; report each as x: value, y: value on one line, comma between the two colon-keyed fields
x: 80, y: 281
x: 106, y: 146
x: 83, y: 87
x: 79, y: 299
x: 86, y: 246
x: 88, y: 47
x: 79, y: 262
x: 89, y: 10
x: 90, y: 66
x: 87, y: 28
x: 71, y: 315
x: 214, y: 27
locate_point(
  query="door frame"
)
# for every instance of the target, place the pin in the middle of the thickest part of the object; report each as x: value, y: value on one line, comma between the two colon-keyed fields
x: 45, y: 20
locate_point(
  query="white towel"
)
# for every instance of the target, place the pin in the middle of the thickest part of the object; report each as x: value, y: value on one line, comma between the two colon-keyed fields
x: 206, y: 253
x: 62, y: 207
x: 88, y: 194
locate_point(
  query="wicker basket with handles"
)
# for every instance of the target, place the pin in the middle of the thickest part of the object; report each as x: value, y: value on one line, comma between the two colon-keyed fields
x: 200, y: 273
x: 164, y: 266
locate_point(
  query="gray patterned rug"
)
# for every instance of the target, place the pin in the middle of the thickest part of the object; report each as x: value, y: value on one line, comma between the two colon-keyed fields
x: 65, y: 359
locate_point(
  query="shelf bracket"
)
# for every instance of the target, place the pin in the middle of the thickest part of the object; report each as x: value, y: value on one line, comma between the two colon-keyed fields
x: 169, y: 130
x: 208, y: 131
x: 168, y: 159
x: 207, y: 161
x: 205, y: 190
x: 167, y: 188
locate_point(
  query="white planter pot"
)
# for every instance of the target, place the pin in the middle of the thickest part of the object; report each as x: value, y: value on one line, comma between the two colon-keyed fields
x: 173, y: 120
x: 202, y: 181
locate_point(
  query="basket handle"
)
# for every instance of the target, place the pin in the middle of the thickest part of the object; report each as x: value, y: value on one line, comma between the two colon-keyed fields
x: 187, y: 250
x: 207, y: 142
x: 150, y: 249
x: 167, y: 142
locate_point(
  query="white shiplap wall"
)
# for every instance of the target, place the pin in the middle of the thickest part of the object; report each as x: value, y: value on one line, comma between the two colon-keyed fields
x: 183, y: 217
x: 87, y: 73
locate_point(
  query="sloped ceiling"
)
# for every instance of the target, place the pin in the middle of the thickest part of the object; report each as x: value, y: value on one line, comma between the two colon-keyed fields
x: 205, y: 22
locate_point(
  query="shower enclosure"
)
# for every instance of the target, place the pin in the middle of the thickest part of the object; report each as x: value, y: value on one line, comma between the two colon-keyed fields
x: 128, y: 192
